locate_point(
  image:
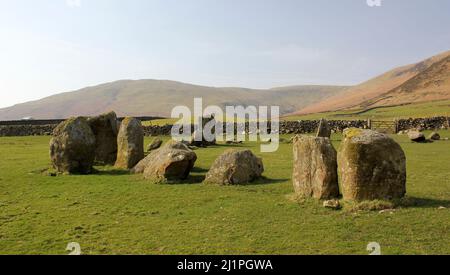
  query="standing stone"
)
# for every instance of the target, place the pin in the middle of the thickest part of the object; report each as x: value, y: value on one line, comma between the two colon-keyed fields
x: 324, y: 129
x: 198, y: 139
x: 210, y: 122
x: 170, y: 163
x: 235, y: 167
x: 72, y: 148
x: 105, y: 131
x: 156, y: 144
x: 416, y: 136
x: 130, y: 143
x: 315, y: 168
x: 372, y: 166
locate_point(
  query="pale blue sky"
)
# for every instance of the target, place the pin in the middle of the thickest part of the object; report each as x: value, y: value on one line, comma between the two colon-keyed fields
x: 53, y: 46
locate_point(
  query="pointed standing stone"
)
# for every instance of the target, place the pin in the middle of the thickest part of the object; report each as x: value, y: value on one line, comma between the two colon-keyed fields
x: 315, y: 168
x: 324, y: 129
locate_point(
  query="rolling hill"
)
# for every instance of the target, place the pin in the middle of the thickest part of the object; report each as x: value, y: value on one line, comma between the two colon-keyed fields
x: 425, y: 81
x: 158, y: 97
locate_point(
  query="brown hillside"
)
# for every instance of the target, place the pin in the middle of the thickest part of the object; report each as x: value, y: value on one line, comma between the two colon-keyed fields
x: 430, y: 85
x: 420, y: 82
x: 158, y: 97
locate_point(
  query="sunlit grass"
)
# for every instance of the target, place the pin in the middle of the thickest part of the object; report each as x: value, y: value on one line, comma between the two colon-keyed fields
x: 429, y: 109
x: 113, y: 212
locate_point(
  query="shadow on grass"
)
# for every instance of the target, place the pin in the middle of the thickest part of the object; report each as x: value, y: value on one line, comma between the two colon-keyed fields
x: 267, y: 181
x: 112, y: 172
x: 199, y: 179
x: 405, y: 203
x: 194, y: 179
x: 414, y: 202
x: 199, y: 170
x: 229, y: 146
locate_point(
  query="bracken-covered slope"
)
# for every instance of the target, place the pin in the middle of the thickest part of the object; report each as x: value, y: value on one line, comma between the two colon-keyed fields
x: 430, y: 85
x: 425, y: 81
x: 158, y: 97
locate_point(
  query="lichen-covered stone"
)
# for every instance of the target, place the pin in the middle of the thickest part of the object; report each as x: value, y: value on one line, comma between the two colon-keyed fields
x: 130, y: 143
x: 105, y: 130
x: 315, y: 168
x: 72, y: 148
x: 372, y: 166
x: 235, y: 167
x: 172, y: 162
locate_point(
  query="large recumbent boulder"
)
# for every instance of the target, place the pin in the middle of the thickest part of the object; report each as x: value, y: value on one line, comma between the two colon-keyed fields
x: 171, y: 163
x: 234, y: 168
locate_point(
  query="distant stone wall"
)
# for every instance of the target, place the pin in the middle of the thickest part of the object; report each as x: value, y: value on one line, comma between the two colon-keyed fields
x: 286, y: 127
x: 424, y: 123
x: 152, y: 131
x: 31, y: 122
x: 36, y: 122
x: 26, y: 130
x: 310, y: 126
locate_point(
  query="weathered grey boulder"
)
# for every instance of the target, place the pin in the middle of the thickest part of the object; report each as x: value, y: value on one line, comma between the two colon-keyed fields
x: 156, y: 144
x: 105, y: 131
x: 170, y: 163
x: 372, y: 166
x: 130, y: 143
x: 235, y: 167
x: 324, y: 129
x: 315, y: 168
x: 416, y: 136
x: 434, y: 136
x: 72, y: 148
x: 140, y: 167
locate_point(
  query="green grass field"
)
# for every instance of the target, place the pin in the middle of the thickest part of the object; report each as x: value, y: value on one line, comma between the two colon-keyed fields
x: 429, y: 109
x: 113, y: 212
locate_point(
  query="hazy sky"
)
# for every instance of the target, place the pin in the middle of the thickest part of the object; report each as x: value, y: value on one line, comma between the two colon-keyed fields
x: 53, y: 46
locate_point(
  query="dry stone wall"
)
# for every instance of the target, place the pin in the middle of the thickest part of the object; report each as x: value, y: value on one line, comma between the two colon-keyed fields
x: 33, y: 128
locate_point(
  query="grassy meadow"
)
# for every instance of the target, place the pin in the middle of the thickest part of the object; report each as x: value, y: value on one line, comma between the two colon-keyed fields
x: 112, y: 212
x: 419, y: 110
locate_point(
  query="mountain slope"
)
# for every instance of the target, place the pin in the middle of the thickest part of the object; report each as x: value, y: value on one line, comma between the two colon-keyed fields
x: 158, y: 97
x: 430, y: 85
x: 421, y: 82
